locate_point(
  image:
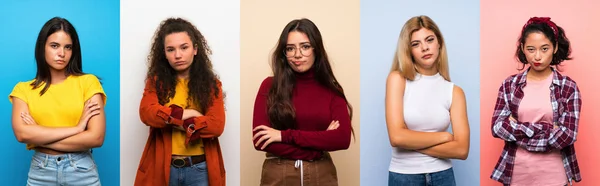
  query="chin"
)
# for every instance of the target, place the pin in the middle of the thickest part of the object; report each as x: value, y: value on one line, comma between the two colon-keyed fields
x: 540, y: 68
x: 58, y: 68
x: 299, y: 70
x: 182, y: 68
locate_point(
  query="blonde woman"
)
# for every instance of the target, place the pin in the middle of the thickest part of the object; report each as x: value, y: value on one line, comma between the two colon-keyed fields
x: 421, y: 102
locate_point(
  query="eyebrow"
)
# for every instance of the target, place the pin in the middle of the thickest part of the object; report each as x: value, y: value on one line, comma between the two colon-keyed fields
x: 425, y: 39
x: 179, y: 45
x: 301, y: 43
x: 544, y: 45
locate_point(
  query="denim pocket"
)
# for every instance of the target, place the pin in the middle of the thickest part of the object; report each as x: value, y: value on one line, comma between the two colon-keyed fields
x: 200, y: 167
x: 36, y: 163
x: 85, y: 164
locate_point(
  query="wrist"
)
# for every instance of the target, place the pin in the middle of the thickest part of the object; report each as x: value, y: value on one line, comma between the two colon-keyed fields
x: 448, y: 137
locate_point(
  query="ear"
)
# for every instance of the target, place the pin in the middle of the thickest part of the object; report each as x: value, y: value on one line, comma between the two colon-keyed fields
x: 555, y: 48
x: 195, y: 49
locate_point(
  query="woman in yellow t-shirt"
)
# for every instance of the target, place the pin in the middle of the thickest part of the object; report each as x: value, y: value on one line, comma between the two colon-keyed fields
x: 183, y: 106
x: 60, y: 113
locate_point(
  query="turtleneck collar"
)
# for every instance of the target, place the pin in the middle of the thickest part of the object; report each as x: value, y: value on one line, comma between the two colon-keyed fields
x: 309, y: 75
x: 422, y: 76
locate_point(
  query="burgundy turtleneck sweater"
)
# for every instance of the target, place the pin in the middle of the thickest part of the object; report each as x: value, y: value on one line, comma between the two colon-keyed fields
x: 315, y: 106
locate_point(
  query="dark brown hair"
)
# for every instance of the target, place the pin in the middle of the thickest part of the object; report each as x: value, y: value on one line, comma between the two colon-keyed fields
x: 74, y: 66
x: 202, y: 79
x: 279, y: 104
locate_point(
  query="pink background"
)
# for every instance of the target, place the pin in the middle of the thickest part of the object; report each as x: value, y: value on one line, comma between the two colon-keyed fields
x: 501, y: 23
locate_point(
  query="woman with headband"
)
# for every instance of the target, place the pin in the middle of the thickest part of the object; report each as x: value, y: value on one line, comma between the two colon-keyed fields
x: 537, y: 112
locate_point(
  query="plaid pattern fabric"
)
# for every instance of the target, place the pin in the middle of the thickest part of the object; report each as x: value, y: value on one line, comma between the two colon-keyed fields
x: 538, y: 137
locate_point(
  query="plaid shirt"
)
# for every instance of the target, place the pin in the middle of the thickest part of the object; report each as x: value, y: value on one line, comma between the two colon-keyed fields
x: 537, y: 137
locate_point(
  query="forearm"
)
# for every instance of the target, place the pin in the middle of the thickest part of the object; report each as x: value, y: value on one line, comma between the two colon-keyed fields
x: 158, y: 116
x: 448, y: 150
x: 80, y: 142
x: 555, y: 138
x: 209, y: 126
x: 511, y: 131
x: 40, y: 135
x: 414, y: 140
x: 330, y: 140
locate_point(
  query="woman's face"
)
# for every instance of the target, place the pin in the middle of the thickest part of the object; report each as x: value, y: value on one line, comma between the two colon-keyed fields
x: 538, y: 50
x: 180, y: 51
x: 425, y: 48
x: 58, y: 50
x: 299, y: 52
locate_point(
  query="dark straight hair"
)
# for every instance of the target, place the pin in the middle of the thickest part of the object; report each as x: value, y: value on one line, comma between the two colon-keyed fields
x: 279, y: 103
x: 43, y: 69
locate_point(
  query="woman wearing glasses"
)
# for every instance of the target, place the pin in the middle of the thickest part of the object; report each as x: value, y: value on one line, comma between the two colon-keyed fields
x: 301, y: 112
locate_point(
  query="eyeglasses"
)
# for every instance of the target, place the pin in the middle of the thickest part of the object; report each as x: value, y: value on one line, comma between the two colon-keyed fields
x: 305, y: 50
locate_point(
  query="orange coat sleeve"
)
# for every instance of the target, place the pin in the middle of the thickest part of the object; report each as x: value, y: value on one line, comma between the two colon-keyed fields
x: 153, y: 114
x: 212, y: 124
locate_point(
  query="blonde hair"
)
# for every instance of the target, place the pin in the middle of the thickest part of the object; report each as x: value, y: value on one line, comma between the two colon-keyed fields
x: 404, y: 61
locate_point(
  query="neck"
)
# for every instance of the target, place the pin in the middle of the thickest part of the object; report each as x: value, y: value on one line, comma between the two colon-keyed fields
x: 57, y: 76
x: 184, y: 74
x: 427, y: 71
x: 539, y: 75
x: 308, y: 75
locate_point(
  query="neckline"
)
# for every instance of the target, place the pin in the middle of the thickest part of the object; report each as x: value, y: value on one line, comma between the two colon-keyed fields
x: 309, y: 75
x: 422, y: 76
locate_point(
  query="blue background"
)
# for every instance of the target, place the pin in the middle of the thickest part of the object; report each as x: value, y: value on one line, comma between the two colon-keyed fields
x: 97, y: 23
x: 380, y: 25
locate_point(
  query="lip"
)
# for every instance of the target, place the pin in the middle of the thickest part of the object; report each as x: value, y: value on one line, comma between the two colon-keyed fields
x: 297, y: 62
x: 537, y: 64
x: 427, y: 56
x: 179, y: 63
x: 60, y: 61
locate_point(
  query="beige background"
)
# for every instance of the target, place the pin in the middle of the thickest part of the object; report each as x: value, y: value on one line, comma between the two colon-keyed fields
x: 261, y: 24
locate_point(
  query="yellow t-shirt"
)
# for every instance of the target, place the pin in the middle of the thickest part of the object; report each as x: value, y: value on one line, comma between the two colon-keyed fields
x: 62, y: 104
x: 178, y: 136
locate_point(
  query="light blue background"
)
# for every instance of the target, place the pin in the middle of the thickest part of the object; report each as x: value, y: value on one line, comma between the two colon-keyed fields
x: 97, y: 23
x: 380, y: 25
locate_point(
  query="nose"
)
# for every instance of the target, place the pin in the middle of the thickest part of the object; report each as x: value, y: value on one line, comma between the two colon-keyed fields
x: 537, y: 56
x: 297, y: 53
x: 61, y: 52
x: 177, y: 54
x: 424, y: 47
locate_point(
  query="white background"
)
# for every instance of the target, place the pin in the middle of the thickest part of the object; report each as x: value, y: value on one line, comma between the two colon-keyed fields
x: 219, y: 22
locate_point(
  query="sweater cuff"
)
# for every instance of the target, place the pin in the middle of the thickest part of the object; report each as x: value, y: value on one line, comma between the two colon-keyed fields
x: 176, y: 112
x: 190, y: 129
x: 287, y: 137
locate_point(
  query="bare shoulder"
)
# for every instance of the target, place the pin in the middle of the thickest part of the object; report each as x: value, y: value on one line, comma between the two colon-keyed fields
x: 458, y: 95
x: 457, y: 91
x: 395, y: 79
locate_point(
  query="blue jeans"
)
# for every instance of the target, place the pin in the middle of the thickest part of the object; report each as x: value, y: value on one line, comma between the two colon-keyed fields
x: 64, y: 169
x: 194, y: 175
x: 441, y: 178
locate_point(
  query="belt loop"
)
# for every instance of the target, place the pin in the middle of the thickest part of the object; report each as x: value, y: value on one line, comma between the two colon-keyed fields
x: 71, y: 161
x: 190, y: 159
x: 45, y: 160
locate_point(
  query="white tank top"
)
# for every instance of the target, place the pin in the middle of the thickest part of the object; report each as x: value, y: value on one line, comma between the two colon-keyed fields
x: 427, y: 102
